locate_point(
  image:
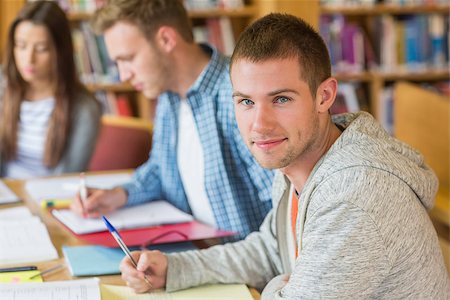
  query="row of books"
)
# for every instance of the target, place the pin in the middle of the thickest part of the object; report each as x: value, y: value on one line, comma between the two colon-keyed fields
x: 119, y: 104
x: 342, y: 3
x: 211, y: 4
x: 406, y: 43
x: 413, y: 43
x: 415, y: 2
x: 354, y: 3
x: 74, y: 6
x: 346, y: 43
x: 91, y: 57
x: 89, y: 6
x: 217, y: 32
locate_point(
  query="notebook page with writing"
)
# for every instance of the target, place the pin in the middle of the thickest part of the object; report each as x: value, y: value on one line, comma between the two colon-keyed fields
x: 15, y: 213
x: 67, y: 187
x: 144, y: 215
x: 216, y: 291
x: 25, y: 240
x: 83, y: 289
x: 6, y: 195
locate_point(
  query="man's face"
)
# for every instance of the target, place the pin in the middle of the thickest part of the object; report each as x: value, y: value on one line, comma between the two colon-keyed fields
x: 139, y: 62
x: 275, y: 111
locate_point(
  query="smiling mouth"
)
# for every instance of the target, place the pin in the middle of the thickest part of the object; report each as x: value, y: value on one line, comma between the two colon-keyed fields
x: 268, y: 144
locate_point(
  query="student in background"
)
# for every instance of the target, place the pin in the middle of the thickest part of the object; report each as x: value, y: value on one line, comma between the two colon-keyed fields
x: 49, y: 121
x: 199, y: 161
x: 350, y: 202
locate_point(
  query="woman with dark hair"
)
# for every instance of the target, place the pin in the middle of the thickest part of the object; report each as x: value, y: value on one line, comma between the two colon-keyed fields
x: 49, y: 121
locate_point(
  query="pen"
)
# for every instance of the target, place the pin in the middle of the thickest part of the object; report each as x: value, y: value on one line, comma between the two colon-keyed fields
x: 83, y: 191
x: 56, y: 203
x: 18, y: 269
x: 122, y: 245
x: 47, y: 271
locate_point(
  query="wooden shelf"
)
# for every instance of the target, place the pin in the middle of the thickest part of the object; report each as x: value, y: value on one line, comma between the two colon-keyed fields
x: 247, y: 12
x: 385, y: 9
x: 79, y: 16
x: 111, y: 87
x: 392, y: 76
x: 418, y: 76
x: 363, y: 76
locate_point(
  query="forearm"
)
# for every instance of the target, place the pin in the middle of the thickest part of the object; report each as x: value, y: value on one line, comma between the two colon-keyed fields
x: 253, y: 261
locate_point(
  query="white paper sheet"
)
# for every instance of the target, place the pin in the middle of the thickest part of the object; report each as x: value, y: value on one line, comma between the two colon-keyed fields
x: 15, y: 213
x: 25, y: 240
x: 84, y: 289
x: 144, y: 215
x: 6, y: 195
x: 67, y: 187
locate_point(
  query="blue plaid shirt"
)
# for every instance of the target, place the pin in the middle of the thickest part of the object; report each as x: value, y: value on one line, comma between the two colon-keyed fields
x: 238, y: 189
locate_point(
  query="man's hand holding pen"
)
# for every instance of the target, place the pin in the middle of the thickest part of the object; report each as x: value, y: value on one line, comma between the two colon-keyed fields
x: 150, y: 264
x: 99, y: 202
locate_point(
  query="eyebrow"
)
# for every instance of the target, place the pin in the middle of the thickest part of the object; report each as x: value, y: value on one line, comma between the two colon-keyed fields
x: 273, y: 93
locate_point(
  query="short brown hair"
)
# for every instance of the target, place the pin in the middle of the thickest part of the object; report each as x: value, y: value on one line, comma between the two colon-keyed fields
x: 147, y: 15
x: 284, y: 36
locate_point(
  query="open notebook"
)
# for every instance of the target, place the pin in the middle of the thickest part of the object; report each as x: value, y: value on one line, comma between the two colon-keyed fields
x: 66, y: 187
x: 23, y: 238
x: 144, y: 215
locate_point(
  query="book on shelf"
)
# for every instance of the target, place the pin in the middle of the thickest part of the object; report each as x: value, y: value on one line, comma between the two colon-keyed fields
x: 217, y: 32
x: 118, y: 104
x: 346, y: 43
x: 213, y: 4
x: 91, y: 57
x: 386, y: 112
x: 413, y: 43
x: 346, y: 99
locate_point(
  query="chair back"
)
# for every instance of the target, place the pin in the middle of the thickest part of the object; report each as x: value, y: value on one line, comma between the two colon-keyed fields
x: 123, y: 143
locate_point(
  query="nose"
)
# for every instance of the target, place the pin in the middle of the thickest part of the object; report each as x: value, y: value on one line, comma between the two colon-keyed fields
x: 29, y: 56
x: 124, y: 71
x: 263, y: 119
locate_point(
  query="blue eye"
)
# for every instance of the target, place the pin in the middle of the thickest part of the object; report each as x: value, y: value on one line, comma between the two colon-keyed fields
x: 247, y: 102
x: 282, y: 99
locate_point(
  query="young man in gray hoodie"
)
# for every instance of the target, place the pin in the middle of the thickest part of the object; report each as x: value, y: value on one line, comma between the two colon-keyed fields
x: 350, y: 202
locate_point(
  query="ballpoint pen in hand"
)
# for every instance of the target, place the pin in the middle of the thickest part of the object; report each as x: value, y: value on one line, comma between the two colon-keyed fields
x: 83, y: 191
x: 122, y: 245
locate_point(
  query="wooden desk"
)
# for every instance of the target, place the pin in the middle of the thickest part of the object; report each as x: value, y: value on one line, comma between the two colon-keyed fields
x: 60, y: 236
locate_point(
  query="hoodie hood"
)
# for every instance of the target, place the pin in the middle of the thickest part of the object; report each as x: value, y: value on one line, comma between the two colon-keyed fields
x: 372, y: 146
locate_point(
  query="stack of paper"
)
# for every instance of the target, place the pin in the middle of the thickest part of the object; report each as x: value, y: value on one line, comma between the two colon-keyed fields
x: 85, y: 289
x: 6, y: 195
x: 144, y: 215
x: 67, y: 187
x: 23, y: 238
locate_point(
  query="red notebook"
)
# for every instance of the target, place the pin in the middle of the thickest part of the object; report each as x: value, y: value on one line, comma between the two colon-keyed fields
x: 171, y: 233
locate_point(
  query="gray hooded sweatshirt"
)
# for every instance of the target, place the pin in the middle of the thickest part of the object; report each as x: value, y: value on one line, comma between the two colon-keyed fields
x: 362, y: 229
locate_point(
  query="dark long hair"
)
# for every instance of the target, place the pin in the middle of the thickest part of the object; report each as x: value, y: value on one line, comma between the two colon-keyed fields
x: 50, y: 15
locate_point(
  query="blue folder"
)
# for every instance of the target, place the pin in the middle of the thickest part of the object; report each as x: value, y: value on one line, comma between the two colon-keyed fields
x: 95, y: 260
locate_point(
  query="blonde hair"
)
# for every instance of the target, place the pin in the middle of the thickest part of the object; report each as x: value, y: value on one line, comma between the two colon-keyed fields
x: 147, y: 15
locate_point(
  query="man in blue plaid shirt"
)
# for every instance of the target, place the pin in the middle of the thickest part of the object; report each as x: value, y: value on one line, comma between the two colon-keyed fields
x: 199, y: 161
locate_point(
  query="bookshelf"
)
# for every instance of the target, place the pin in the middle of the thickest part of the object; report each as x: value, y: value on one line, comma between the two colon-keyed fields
x: 370, y: 19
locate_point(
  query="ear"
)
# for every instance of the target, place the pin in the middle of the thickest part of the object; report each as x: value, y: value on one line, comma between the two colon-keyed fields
x: 166, y: 38
x: 326, y: 94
